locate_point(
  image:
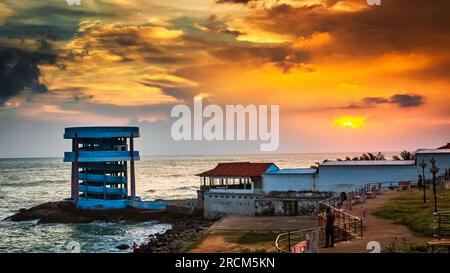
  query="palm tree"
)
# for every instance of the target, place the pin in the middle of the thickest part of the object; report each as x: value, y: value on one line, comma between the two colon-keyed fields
x: 370, y: 156
x: 367, y: 156
x: 405, y: 155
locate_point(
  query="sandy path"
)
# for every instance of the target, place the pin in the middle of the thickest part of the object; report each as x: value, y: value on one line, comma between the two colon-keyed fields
x: 215, y: 241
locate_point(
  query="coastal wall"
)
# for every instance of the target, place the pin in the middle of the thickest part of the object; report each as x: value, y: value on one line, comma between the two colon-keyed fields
x: 347, y: 177
x: 291, y: 207
x: 292, y: 203
x: 274, y: 204
x: 216, y: 205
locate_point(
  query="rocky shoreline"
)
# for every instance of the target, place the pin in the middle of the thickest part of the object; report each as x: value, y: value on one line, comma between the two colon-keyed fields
x: 185, y: 227
x: 65, y: 212
x: 178, y: 238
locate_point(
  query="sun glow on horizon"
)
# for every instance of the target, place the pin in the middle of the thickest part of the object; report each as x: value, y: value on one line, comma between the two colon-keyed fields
x: 353, y: 122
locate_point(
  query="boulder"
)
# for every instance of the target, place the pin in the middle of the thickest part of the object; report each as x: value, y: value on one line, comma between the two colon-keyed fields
x: 123, y: 247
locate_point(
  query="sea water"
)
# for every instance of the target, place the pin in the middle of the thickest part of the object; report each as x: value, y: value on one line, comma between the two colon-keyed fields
x: 28, y: 182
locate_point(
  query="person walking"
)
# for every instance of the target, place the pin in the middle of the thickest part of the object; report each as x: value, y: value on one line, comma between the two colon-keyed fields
x: 329, y: 228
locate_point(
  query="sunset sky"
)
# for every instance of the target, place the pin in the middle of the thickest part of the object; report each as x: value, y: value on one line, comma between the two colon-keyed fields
x: 347, y: 76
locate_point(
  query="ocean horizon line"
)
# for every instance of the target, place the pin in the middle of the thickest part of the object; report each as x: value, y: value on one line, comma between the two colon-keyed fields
x: 217, y: 155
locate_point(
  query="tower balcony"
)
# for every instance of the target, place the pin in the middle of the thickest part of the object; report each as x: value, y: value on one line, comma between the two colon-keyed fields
x: 100, y: 132
x: 102, y: 190
x: 100, y: 156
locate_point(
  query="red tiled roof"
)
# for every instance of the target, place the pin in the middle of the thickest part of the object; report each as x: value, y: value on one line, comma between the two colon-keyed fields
x: 445, y: 147
x: 237, y: 169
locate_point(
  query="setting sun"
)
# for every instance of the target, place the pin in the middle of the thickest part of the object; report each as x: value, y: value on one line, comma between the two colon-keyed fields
x: 349, y: 122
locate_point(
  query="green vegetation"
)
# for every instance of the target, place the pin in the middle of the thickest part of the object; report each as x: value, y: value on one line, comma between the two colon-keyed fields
x: 258, y: 250
x: 408, y: 209
x: 404, y: 246
x: 405, y: 155
x: 366, y: 156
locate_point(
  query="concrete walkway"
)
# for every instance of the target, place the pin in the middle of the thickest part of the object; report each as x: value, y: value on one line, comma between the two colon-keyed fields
x: 236, y: 225
x: 376, y: 229
x: 265, y: 223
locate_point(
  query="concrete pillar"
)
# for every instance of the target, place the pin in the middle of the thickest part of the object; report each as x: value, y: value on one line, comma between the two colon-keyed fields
x: 75, y: 169
x: 132, y: 178
x: 125, y: 163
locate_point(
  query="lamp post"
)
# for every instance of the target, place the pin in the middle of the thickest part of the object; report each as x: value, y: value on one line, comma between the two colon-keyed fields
x: 423, y: 164
x: 434, y: 170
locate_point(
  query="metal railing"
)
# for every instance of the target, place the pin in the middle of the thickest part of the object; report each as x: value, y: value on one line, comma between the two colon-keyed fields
x: 443, y: 224
x: 346, y: 226
x: 342, y: 232
x: 285, y: 241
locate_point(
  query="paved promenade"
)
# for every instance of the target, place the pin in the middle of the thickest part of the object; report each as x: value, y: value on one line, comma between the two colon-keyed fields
x: 265, y: 223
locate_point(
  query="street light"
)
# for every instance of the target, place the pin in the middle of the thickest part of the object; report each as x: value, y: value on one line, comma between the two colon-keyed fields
x: 434, y: 170
x: 423, y: 164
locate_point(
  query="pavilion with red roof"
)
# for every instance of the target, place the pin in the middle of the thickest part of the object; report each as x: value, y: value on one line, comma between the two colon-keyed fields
x: 236, y: 176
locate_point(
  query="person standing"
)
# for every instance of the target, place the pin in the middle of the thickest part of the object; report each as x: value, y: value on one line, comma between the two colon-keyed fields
x: 420, y: 182
x: 329, y: 228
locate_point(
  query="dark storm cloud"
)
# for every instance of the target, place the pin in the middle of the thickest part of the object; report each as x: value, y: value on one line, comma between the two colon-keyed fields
x: 60, y: 17
x: 350, y: 106
x: 126, y: 42
x: 401, y: 25
x: 19, y: 71
x: 48, y: 23
x: 64, y: 12
x: 402, y: 100
x: 173, y: 89
x: 407, y: 100
x: 215, y: 25
x: 282, y: 56
x: 375, y: 100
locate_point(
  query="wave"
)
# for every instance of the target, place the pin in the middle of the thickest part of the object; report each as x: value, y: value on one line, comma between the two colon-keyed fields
x: 33, y: 183
x: 187, y: 188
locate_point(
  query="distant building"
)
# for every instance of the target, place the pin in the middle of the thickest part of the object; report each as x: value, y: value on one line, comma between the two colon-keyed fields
x: 246, y: 188
x: 236, y: 177
x: 262, y: 188
x: 231, y: 188
x: 441, y: 155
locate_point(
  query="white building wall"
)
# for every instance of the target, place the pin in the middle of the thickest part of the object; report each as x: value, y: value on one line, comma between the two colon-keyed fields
x: 342, y: 178
x: 442, y: 162
x: 288, y: 182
